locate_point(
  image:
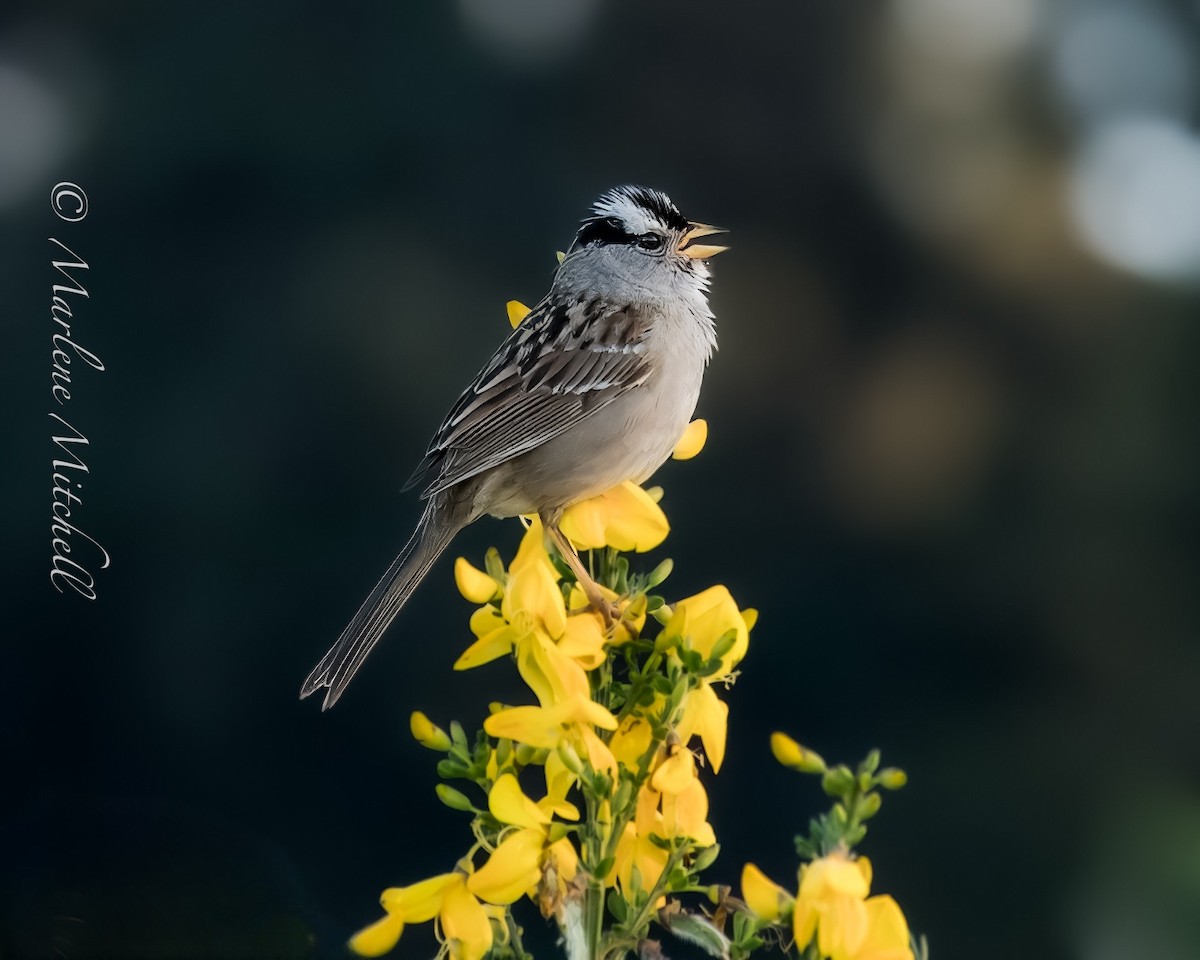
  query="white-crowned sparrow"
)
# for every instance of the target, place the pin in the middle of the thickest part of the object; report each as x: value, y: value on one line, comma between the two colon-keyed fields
x: 595, y: 386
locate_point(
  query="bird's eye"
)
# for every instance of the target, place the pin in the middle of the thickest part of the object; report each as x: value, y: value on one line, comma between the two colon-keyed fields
x: 650, y: 241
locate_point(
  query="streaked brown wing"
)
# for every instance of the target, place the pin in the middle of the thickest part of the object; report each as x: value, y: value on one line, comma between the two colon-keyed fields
x: 560, y: 366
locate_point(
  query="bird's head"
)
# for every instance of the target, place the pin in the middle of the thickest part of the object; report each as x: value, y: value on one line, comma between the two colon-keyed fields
x: 637, y: 235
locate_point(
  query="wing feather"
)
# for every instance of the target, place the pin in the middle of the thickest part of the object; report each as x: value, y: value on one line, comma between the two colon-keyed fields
x: 560, y: 366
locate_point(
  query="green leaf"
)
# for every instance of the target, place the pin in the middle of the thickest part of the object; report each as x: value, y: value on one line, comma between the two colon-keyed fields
x: 617, y: 906
x: 699, y: 931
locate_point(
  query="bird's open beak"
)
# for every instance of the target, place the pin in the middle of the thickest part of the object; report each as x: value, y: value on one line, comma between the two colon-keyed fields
x: 700, y: 251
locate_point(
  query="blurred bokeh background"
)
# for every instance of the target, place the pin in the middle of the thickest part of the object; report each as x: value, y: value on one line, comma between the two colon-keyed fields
x: 953, y: 445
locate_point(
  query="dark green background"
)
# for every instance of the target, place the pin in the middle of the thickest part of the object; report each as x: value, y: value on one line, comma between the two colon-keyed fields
x: 952, y: 459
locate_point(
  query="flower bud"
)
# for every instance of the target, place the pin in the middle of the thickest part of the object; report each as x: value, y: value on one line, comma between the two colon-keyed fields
x: 789, y: 753
x: 838, y: 782
x: 659, y: 573
x: 868, y: 805
x: 427, y: 733
x: 452, y: 798
x: 570, y: 759
x: 892, y: 778
x: 705, y: 858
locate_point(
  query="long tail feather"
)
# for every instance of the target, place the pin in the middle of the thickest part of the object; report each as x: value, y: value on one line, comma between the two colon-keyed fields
x: 337, y: 668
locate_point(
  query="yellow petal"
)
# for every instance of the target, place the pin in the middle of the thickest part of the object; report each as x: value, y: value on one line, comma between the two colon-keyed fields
x: 624, y: 517
x: 486, y: 619
x: 675, y: 773
x: 583, y: 640
x: 588, y: 711
x: 630, y: 743
x: 419, y: 901
x: 707, y: 716
x: 517, y: 311
x: 766, y: 899
x: 465, y: 924
x: 563, y: 855
x: 536, y: 726
x: 512, y: 870
x: 489, y: 647
x: 473, y: 583
x: 379, y: 938
x: 598, y: 754
x: 843, y: 928
x: 551, y: 674
x: 692, y: 441
x: 508, y: 804
x: 685, y: 814
x: 427, y: 733
x: 887, y: 932
x: 533, y: 589
x: 559, y: 778
x: 532, y: 549
x: 703, y: 619
x: 804, y: 922
x: 836, y: 875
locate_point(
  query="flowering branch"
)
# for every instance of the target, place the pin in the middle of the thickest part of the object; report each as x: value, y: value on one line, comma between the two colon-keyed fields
x: 588, y: 802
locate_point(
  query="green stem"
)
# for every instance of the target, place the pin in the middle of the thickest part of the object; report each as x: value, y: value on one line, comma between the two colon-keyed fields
x: 593, y: 916
x: 660, y: 887
x: 514, y: 935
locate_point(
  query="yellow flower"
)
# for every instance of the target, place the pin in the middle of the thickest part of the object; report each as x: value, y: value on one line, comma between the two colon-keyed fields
x: 570, y: 721
x: 532, y: 602
x: 465, y: 927
x: 519, y: 864
x: 766, y: 899
x: 833, y: 903
x: 702, y: 620
x: 692, y: 441
x: 513, y: 868
x: 532, y: 605
x: 624, y: 517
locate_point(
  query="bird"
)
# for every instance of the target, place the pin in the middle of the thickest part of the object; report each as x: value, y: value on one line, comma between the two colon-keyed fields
x: 594, y: 387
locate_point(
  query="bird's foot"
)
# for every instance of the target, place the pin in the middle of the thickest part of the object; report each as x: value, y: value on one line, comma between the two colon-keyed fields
x: 609, y: 610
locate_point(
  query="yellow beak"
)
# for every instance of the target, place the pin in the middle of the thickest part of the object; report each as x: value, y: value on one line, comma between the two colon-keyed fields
x: 700, y: 251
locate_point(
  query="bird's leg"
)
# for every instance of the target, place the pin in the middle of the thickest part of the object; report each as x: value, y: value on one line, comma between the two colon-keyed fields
x: 609, y: 611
